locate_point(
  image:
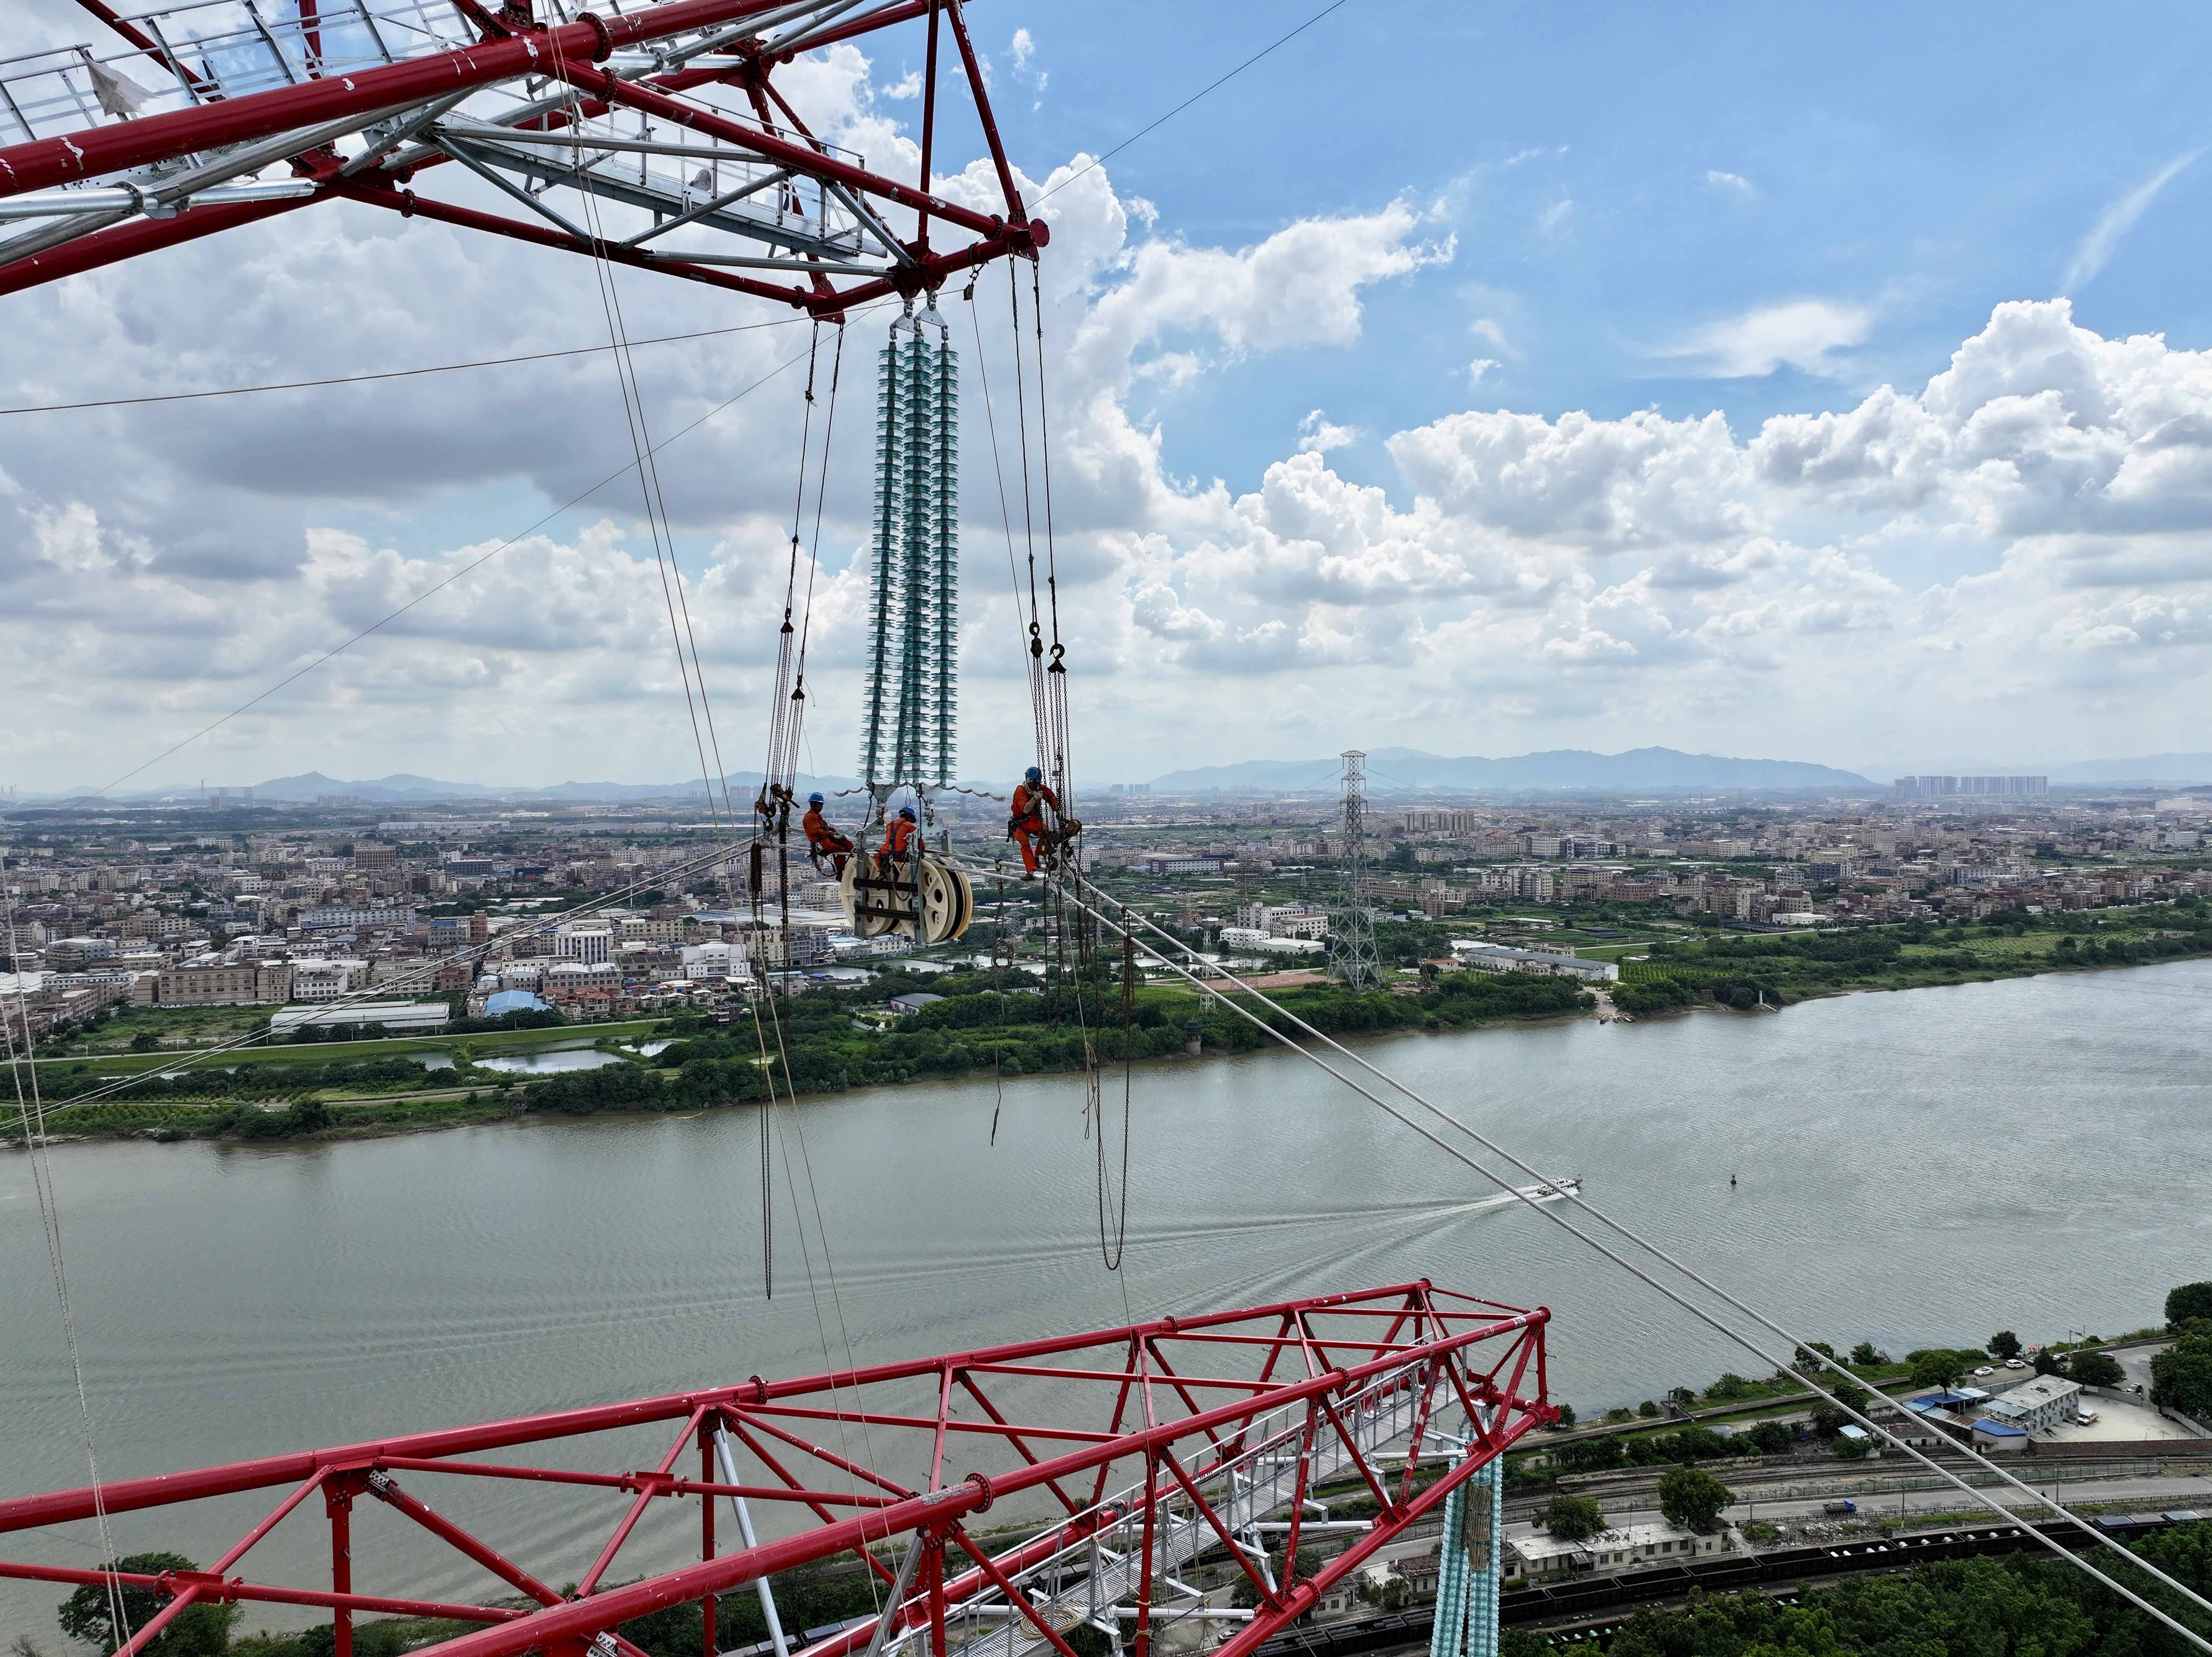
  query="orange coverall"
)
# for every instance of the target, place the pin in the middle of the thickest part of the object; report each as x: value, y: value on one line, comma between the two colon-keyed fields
x: 822, y: 840
x: 896, y: 836
x: 1027, y: 828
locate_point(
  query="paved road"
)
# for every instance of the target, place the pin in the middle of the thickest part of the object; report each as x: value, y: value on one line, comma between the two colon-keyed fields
x: 2188, y: 1490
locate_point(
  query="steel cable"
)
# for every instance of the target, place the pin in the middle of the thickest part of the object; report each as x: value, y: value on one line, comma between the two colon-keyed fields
x: 1740, y: 1339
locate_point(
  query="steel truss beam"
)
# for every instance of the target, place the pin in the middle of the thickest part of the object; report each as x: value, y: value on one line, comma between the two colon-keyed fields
x: 527, y: 95
x: 1116, y: 1459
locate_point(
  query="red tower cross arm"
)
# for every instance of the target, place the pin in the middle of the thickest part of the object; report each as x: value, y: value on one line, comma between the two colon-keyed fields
x: 656, y: 136
x: 1112, y: 1462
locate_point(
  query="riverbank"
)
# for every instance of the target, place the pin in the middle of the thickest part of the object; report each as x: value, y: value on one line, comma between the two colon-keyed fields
x: 1775, y: 969
x: 997, y: 1025
x: 1001, y: 1026
x: 235, y: 1299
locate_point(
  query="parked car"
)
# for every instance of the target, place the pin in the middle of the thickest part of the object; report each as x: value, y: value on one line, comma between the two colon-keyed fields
x: 2015, y: 1363
x: 2085, y: 1419
x: 1985, y: 1370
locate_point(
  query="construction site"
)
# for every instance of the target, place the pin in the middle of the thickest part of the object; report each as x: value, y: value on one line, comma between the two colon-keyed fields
x: 1298, y: 1462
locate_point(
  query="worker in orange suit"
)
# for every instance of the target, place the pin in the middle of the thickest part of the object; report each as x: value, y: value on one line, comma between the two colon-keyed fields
x: 1027, y: 828
x: 821, y: 840
x: 899, y: 835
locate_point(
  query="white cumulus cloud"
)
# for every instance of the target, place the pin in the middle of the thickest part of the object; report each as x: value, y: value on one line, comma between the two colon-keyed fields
x: 1801, y: 334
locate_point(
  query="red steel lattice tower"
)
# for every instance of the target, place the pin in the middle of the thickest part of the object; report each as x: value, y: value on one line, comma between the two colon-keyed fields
x: 1115, y: 1461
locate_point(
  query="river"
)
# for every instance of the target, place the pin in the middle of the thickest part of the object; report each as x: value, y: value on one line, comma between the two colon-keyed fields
x: 1916, y: 1167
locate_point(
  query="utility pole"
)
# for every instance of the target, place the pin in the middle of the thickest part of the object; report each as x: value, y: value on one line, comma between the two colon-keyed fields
x: 1351, y: 929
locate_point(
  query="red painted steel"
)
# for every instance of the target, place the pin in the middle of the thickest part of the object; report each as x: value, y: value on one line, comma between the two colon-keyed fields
x: 514, y: 50
x: 1031, y: 1421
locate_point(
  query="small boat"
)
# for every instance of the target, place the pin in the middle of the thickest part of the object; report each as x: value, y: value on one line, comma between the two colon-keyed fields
x: 1527, y: 1193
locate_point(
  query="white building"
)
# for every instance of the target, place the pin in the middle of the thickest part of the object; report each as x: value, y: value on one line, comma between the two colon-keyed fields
x: 1541, y: 1557
x: 715, y: 961
x: 396, y: 1017
x: 1481, y: 956
x: 591, y: 945
x: 2035, y: 1405
x: 316, y: 979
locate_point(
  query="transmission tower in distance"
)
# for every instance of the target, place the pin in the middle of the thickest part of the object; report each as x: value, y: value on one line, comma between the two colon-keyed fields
x: 1351, y: 929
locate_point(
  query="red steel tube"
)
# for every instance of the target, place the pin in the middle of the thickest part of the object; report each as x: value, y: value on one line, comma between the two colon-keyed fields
x: 462, y: 1543
x: 1302, y: 1597
x: 260, y: 1593
x: 43, y: 163
x: 123, y: 241
x: 799, y: 157
x: 928, y: 1511
x: 127, y: 1495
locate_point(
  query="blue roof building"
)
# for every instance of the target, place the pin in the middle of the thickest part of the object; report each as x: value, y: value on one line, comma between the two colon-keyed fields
x: 508, y: 1001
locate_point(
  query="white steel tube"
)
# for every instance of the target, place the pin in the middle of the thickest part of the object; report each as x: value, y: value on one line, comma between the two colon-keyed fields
x: 728, y: 1463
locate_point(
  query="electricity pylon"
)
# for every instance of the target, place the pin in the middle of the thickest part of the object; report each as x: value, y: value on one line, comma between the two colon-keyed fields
x: 1352, y: 928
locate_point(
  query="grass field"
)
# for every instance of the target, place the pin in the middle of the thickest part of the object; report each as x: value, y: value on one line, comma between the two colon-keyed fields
x: 478, y: 1046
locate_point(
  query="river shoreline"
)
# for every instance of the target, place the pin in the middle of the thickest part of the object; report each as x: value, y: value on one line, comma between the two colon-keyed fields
x: 486, y: 1104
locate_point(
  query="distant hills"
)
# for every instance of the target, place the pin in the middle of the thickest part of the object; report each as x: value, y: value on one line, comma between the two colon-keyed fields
x: 403, y: 788
x: 1408, y: 770
x: 1391, y: 771
x: 2154, y: 767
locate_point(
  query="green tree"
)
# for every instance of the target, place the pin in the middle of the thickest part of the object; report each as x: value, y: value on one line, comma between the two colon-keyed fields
x: 1938, y: 1368
x: 308, y: 1116
x: 2181, y: 1376
x: 1809, y: 1364
x: 1691, y: 1498
x: 1573, y: 1518
x: 2095, y: 1369
x: 1866, y: 1354
x: 1829, y: 1419
x: 1591, y: 1455
x: 2004, y: 1344
x: 144, y: 1042
x: 198, y: 1632
x: 2188, y: 1302
x: 1772, y: 1438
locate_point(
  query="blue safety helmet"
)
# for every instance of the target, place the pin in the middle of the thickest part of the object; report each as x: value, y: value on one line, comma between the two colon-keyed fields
x: 907, y: 811
x: 814, y: 799
x: 1034, y: 774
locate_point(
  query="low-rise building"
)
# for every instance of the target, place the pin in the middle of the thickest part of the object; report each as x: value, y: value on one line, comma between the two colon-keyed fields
x: 2035, y: 1405
x: 396, y: 1017
x: 1992, y: 1436
x: 1480, y: 956
x: 1541, y: 1558
x: 317, y: 979
x: 229, y: 984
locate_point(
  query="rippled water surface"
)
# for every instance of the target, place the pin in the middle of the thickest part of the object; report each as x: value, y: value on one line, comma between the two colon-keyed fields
x: 1911, y: 1168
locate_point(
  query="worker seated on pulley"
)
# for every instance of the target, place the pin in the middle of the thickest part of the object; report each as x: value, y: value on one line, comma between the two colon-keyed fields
x: 899, y: 836
x: 1027, y: 828
x: 821, y: 840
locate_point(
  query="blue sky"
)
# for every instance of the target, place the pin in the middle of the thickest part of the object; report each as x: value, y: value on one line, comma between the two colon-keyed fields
x: 1919, y: 163
x: 1471, y: 379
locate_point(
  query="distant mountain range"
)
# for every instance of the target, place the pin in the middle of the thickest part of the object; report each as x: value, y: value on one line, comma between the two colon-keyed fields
x: 403, y: 788
x: 1408, y: 770
x: 1391, y: 771
x: 2154, y: 767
